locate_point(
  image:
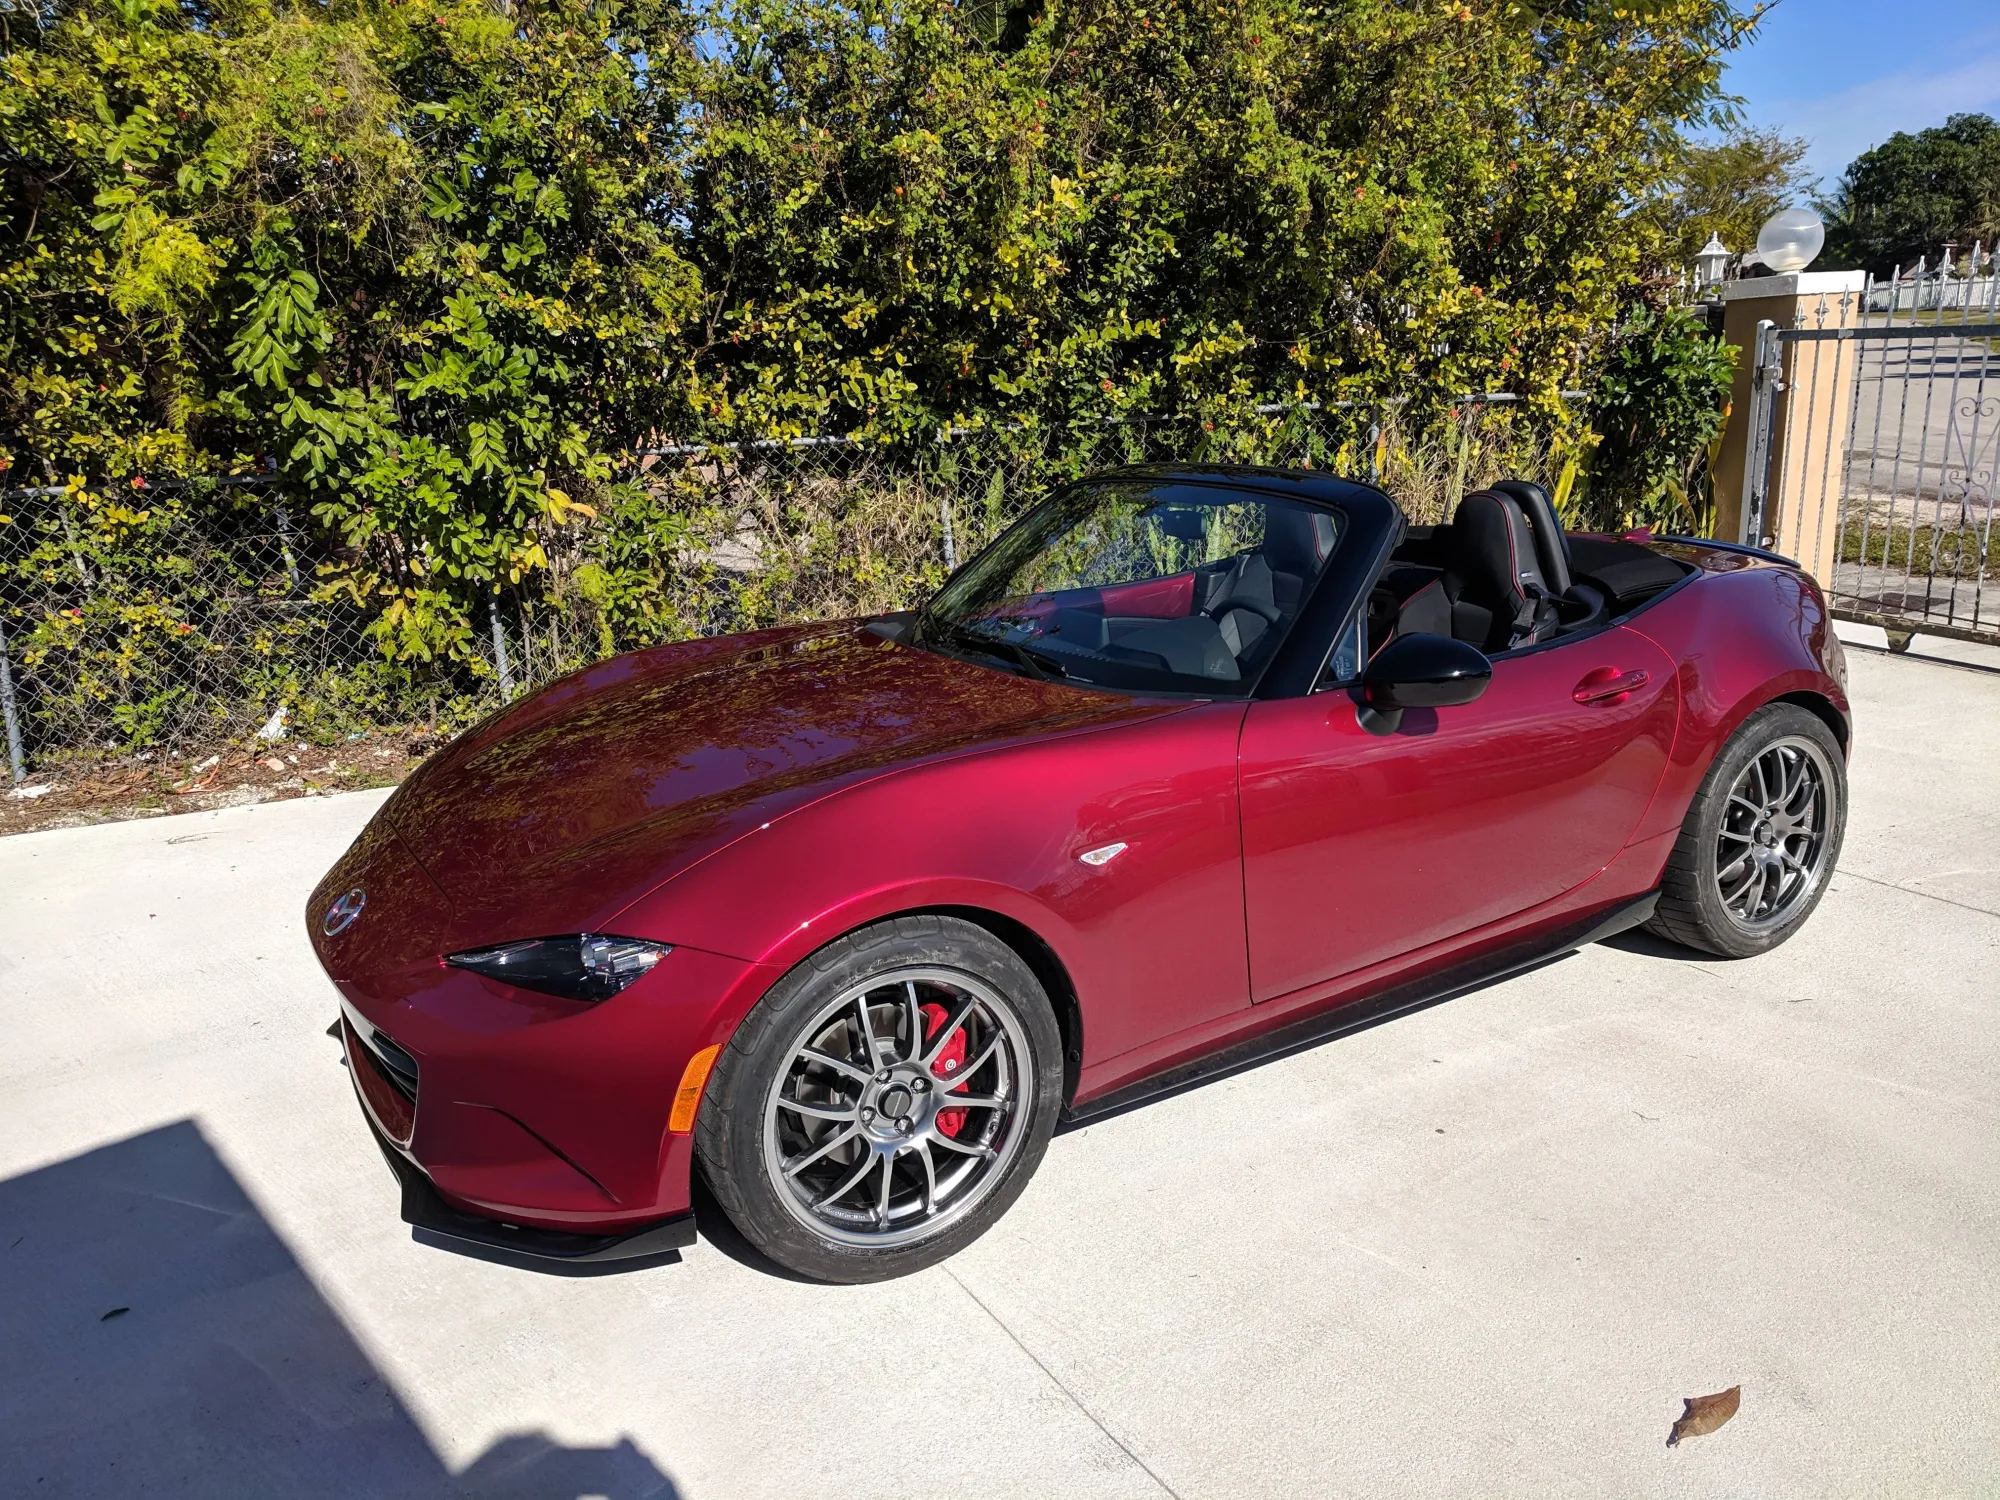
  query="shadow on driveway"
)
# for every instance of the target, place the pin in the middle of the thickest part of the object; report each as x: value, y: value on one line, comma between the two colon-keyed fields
x: 226, y: 1374
x: 1638, y: 940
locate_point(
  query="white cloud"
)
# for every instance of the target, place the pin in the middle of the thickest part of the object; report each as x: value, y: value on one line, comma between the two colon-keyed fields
x: 1841, y: 126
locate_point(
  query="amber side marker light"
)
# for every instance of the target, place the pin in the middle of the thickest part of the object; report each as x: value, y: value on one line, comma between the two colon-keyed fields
x: 687, y: 1098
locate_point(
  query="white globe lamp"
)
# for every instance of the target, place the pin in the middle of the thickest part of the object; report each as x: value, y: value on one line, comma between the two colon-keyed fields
x: 1789, y: 240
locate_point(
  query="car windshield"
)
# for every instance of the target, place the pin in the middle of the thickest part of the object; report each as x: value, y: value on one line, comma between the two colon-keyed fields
x: 1144, y: 587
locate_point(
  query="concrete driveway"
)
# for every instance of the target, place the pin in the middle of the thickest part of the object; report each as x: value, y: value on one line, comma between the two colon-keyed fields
x: 1480, y: 1251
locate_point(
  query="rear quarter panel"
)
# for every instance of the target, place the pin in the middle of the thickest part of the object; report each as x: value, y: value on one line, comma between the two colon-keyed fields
x: 1745, y: 632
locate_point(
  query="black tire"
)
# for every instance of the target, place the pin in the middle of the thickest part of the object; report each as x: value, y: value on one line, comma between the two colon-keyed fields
x: 1722, y: 836
x: 750, y: 1133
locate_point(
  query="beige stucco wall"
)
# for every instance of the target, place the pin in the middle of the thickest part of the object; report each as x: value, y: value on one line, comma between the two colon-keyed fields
x: 1809, y: 445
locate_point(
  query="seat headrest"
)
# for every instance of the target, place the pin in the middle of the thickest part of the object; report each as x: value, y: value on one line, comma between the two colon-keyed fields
x: 1297, y: 539
x: 1551, y: 545
x: 1492, y: 552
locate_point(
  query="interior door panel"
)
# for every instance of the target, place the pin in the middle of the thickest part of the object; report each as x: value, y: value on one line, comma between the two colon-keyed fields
x: 1359, y: 847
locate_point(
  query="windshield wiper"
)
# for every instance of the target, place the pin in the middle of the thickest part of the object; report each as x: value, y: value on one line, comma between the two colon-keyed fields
x: 1043, y: 667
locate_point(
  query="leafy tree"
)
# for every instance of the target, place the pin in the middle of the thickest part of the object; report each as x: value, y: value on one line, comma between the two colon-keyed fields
x: 420, y: 260
x: 429, y: 270
x: 1912, y: 193
x: 1730, y: 186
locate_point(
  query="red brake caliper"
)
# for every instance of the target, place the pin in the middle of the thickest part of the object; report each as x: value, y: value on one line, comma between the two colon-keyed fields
x: 947, y: 1062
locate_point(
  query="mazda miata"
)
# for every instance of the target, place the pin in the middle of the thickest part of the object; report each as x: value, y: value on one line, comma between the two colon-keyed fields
x: 1189, y: 768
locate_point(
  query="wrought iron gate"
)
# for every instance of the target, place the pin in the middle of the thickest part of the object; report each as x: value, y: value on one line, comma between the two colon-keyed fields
x: 1905, y: 442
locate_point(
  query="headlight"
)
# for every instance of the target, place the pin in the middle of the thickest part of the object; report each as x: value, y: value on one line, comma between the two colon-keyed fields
x: 588, y: 966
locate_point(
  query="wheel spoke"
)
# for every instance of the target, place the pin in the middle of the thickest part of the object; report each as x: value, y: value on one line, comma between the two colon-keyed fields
x: 839, y: 1065
x: 923, y: 1154
x: 1805, y: 799
x: 963, y: 1148
x: 826, y: 1200
x: 888, y: 1187
x: 818, y: 1111
x: 868, y: 1042
x: 1754, y: 810
x: 838, y: 1138
x: 1738, y: 896
x: 963, y: 1073
x: 976, y: 1101
x: 1767, y: 888
x: 1801, y: 768
x: 1741, y: 838
x: 916, y: 1017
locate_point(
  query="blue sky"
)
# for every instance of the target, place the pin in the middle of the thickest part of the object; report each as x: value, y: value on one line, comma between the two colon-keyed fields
x: 1848, y: 74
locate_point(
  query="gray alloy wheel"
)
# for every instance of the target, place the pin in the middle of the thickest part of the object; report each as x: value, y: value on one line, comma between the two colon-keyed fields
x: 885, y: 1102
x: 1761, y: 838
x: 895, y: 1115
x: 1770, y: 851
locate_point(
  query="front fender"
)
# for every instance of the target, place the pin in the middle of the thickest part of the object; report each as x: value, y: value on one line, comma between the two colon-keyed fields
x: 1152, y: 939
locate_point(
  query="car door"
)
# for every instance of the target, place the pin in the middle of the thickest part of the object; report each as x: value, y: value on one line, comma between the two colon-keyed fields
x: 1359, y: 847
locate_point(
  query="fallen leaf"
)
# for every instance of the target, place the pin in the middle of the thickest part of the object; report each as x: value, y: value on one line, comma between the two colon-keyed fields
x: 272, y: 763
x: 1703, y: 1414
x: 116, y: 1312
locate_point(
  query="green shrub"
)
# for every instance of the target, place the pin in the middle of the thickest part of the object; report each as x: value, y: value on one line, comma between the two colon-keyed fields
x: 1658, y: 406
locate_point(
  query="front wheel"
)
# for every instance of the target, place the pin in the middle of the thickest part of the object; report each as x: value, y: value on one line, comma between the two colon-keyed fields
x: 885, y: 1102
x: 1760, y: 839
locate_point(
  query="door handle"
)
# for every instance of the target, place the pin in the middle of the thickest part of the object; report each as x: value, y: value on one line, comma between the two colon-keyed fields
x: 1609, y: 685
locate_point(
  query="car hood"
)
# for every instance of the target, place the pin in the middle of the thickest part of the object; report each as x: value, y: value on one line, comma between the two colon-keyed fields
x: 561, y: 811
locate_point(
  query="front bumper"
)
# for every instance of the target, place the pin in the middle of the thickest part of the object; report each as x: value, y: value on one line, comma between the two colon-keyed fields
x: 433, y: 1219
x: 514, y: 1111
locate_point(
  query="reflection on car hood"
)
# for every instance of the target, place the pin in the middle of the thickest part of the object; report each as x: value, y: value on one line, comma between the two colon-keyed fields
x: 565, y: 808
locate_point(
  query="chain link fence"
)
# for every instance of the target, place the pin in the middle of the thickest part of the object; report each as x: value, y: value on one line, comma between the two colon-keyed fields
x: 179, y: 617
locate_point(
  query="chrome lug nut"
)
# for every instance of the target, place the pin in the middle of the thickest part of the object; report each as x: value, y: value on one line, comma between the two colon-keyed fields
x: 906, y: 1125
x: 867, y: 1117
x: 921, y: 1085
x: 883, y: 1076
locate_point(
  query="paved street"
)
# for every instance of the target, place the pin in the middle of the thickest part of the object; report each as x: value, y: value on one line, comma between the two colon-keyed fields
x: 1480, y: 1251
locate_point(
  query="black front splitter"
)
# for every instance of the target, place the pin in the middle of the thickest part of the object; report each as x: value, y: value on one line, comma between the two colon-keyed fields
x: 563, y: 1252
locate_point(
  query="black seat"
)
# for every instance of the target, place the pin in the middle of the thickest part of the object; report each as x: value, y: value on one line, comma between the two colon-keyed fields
x: 1296, y: 544
x: 1242, y: 600
x: 1493, y: 577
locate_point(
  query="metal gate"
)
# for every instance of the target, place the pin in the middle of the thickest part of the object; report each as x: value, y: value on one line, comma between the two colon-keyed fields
x: 1895, y: 421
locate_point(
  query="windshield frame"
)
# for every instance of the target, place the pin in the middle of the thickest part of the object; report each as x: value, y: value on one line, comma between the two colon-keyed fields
x: 930, y: 631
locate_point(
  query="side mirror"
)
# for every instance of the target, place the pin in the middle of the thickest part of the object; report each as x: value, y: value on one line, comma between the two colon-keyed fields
x: 1422, y: 671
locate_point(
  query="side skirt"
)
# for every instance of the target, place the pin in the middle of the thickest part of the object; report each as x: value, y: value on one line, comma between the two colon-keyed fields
x: 1351, y: 1016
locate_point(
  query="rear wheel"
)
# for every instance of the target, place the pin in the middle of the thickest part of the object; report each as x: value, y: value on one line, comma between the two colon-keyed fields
x: 1760, y: 839
x: 885, y: 1102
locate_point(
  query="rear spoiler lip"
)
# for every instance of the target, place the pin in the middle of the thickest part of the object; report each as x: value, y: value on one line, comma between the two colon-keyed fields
x: 1741, y: 547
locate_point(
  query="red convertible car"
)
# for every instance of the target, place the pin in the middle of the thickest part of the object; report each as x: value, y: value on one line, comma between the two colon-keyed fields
x: 1189, y: 768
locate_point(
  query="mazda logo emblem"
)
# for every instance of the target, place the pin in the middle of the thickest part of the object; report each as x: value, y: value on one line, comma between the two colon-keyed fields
x: 340, y: 916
